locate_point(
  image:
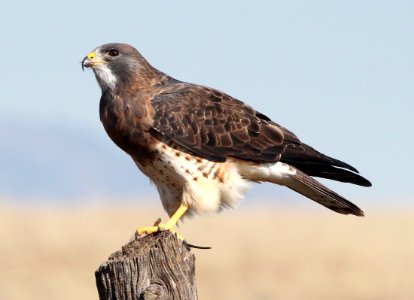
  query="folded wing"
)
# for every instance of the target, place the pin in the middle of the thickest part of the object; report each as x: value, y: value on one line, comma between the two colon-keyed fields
x: 216, y: 126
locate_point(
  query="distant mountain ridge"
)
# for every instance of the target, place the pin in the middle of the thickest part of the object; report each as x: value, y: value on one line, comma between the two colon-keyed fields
x: 57, y: 161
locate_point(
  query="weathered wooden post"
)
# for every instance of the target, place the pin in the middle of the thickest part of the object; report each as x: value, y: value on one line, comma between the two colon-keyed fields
x: 157, y: 266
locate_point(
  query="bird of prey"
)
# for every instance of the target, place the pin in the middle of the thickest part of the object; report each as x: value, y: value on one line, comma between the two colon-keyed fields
x: 201, y: 147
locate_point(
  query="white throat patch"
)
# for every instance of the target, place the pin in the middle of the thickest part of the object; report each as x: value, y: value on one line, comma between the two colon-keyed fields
x: 105, y: 77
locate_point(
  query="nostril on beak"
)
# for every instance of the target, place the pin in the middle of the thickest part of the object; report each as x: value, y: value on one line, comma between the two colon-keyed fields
x: 91, y: 55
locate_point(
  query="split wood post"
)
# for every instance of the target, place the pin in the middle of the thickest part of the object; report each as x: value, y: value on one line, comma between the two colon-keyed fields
x: 157, y: 266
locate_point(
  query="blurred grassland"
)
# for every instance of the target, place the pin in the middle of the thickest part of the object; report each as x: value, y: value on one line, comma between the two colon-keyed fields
x: 258, y: 253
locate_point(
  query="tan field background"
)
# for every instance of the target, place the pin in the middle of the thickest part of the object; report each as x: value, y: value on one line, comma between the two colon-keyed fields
x: 258, y: 252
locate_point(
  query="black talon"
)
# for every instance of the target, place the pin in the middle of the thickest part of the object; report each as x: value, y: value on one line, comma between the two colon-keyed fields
x: 188, y: 245
x: 157, y: 222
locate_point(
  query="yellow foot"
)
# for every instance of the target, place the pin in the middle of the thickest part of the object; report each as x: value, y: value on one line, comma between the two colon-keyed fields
x: 157, y: 228
x: 170, y: 225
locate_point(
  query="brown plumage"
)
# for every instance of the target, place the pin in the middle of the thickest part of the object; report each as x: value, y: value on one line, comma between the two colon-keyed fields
x: 201, y: 146
x: 216, y: 126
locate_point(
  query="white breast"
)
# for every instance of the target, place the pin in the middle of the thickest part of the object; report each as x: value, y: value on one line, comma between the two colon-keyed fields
x: 203, y: 185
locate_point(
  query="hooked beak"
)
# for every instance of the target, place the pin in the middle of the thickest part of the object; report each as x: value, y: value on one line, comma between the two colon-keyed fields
x: 91, y: 60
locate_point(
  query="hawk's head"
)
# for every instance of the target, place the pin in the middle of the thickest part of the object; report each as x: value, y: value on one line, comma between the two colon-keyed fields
x: 115, y: 64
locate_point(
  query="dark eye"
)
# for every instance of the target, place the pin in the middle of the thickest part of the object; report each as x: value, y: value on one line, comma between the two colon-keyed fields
x: 113, y: 52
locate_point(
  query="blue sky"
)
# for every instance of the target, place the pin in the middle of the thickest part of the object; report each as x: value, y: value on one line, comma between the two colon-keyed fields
x: 337, y: 73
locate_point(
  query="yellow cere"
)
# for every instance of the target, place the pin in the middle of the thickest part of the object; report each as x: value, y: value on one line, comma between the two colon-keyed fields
x: 92, y: 55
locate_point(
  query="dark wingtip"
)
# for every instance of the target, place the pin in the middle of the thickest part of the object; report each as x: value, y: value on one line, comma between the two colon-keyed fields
x: 359, y: 180
x: 345, y: 165
x: 339, y: 163
x: 368, y: 183
x: 362, y: 181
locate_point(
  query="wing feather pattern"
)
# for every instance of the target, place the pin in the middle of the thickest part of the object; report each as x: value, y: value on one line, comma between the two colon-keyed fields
x: 215, y: 126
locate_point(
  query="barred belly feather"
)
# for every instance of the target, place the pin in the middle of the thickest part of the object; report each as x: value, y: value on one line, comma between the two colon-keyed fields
x: 203, y: 185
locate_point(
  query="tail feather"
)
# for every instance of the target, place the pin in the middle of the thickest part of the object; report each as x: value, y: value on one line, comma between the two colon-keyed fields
x: 289, y: 176
x: 314, y: 190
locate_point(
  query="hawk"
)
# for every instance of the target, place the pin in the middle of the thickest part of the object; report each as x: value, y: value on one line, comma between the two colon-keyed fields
x: 201, y: 147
